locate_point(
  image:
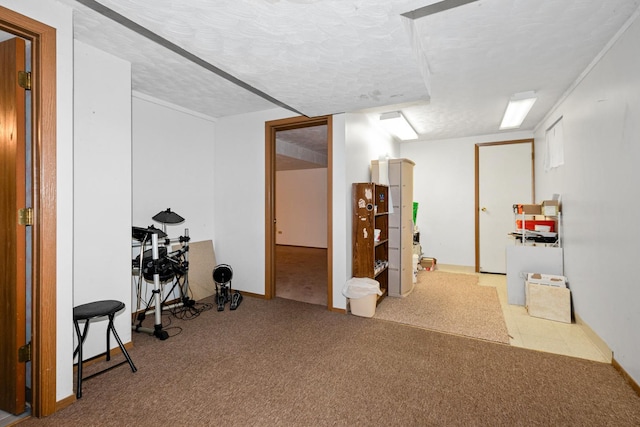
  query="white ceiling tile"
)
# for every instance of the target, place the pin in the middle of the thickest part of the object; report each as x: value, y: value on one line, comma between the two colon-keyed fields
x: 332, y: 56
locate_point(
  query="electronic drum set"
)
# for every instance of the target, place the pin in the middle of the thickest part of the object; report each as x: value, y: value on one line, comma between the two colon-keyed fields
x: 156, y: 264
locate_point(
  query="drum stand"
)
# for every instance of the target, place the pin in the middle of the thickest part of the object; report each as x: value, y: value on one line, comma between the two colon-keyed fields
x: 169, y: 217
x: 157, y: 327
x: 156, y: 293
x: 184, y: 288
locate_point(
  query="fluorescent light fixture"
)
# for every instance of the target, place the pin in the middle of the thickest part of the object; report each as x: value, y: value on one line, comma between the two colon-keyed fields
x: 517, y: 110
x: 396, y: 124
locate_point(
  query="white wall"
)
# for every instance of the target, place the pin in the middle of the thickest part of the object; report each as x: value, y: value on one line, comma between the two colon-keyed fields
x: 102, y: 187
x: 601, y: 197
x: 60, y: 17
x: 364, y: 142
x: 173, y: 168
x: 301, y: 208
x: 239, y: 189
x: 341, y: 212
x: 444, y: 187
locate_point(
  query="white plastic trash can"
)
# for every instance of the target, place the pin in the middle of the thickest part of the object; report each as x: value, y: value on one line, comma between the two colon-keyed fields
x: 364, y: 306
x: 363, y: 294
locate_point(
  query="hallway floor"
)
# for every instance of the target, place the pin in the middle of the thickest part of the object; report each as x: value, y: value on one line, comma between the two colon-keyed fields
x: 535, y: 333
x: 301, y: 275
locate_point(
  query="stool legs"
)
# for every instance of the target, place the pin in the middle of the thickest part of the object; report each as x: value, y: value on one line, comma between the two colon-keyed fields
x: 78, y: 351
x: 81, y: 337
x: 117, y: 337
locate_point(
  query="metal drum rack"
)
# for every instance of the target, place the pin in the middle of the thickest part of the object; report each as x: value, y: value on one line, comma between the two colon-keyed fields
x: 156, y: 264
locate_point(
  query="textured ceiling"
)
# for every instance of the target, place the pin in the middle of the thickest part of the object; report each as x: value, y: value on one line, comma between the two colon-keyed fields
x: 304, y: 148
x: 318, y: 57
x: 482, y: 53
x: 451, y: 73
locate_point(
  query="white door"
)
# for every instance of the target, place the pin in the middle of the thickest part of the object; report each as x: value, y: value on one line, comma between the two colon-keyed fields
x: 505, y: 178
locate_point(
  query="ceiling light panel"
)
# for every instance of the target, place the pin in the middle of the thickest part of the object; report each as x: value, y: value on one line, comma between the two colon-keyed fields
x: 397, y: 125
x: 517, y: 110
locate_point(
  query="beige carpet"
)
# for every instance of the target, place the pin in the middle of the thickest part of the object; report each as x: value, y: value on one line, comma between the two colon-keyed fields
x: 449, y: 302
x: 286, y: 363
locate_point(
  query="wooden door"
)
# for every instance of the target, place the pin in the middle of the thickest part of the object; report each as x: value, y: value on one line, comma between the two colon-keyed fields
x: 44, y: 273
x: 504, y: 174
x: 12, y: 235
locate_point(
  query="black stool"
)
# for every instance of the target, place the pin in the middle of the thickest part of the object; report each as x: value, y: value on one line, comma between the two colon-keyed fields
x: 90, y: 311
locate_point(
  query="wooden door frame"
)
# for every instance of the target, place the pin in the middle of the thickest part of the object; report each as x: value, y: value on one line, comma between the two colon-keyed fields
x: 43, y: 145
x: 271, y: 127
x: 477, y: 184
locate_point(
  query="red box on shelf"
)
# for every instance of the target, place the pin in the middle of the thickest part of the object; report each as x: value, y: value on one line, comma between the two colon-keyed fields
x: 531, y: 224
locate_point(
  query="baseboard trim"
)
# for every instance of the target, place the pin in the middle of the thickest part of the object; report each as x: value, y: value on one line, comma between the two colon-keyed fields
x: 634, y: 385
x: 67, y: 401
x: 599, y: 343
x: 252, y: 295
x: 453, y: 268
x: 606, y: 351
x: 301, y: 246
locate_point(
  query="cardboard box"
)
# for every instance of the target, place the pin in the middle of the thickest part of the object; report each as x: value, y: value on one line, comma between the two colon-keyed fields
x: 548, y: 297
x: 528, y: 209
x: 428, y: 264
x: 550, y: 208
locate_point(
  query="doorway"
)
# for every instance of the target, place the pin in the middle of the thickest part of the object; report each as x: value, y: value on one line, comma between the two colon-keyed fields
x: 271, y: 226
x: 43, y: 189
x: 504, y: 176
x: 301, y: 215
